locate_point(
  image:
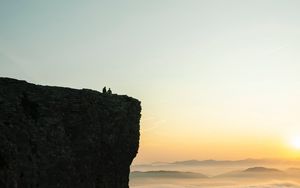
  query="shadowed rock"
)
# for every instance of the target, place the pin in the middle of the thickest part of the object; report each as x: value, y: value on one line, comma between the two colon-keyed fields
x: 54, y: 137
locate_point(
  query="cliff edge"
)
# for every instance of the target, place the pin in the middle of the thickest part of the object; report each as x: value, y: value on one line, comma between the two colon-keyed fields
x: 55, y: 137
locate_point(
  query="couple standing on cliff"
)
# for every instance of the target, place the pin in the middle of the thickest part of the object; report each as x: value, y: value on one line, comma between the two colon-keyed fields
x: 104, y: 90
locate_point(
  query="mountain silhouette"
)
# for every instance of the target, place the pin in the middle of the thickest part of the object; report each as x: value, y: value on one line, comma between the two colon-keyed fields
x: 261, y: 169
x: 255, y: 172
x: 166, y: 174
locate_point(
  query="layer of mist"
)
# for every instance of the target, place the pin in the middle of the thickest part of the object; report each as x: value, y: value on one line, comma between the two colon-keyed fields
x: 224, y: 174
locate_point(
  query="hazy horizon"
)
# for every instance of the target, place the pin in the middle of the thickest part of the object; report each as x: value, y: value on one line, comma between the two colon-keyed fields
x: 246, y: 173
x: 217, y: 79
x: 224, y: 159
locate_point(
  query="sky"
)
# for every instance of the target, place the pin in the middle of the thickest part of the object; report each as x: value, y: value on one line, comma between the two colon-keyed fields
x: 217, y: 79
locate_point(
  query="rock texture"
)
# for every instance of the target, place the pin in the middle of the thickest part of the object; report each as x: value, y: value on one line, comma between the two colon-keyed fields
x: 53, y: 137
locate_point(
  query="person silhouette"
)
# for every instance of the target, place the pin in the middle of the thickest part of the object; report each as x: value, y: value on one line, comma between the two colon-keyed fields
x: 104, y: 89
x: 109, y: 91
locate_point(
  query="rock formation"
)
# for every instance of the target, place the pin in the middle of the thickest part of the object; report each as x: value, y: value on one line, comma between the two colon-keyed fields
x: 54, y: 137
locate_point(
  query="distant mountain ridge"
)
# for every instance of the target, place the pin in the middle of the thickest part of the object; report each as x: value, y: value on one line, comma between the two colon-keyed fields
x: 166, y: 174
x: 218, y: 162
x: 253, y: 172
x: 248, y: 161
x: 261, y: 169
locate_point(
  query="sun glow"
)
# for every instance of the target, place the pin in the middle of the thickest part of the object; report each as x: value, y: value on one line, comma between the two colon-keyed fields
x: 295, y: 142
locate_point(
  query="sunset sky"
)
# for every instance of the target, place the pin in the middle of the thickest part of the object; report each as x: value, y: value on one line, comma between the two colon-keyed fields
x: 217, y: 79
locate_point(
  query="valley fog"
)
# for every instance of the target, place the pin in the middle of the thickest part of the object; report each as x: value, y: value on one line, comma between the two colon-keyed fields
x: 223, y: 174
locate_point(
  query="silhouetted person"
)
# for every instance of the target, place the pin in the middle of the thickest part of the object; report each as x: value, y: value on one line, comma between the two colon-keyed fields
x: 109, y: 91
x: 104, y: 89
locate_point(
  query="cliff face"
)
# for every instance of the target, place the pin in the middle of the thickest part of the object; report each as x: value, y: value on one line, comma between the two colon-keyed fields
x: 54, y: 137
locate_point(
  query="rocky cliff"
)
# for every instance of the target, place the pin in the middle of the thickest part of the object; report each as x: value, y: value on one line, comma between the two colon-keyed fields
x: 53, y: 137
